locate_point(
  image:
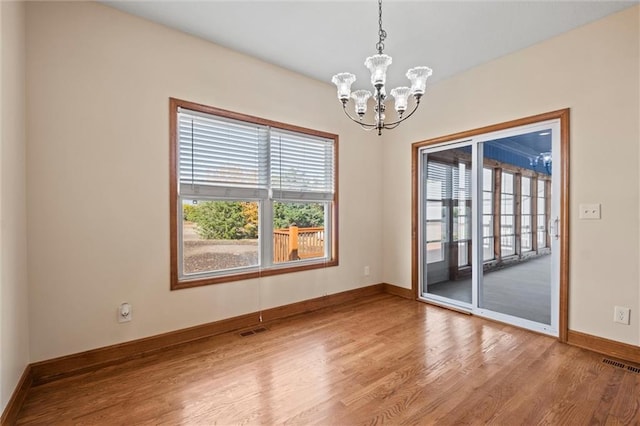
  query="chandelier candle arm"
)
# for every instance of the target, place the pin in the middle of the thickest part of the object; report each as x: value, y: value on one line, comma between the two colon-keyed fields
x: 371, y: 126
x: 365, y: 126
x: 377, y: 65
x: 400, y: 119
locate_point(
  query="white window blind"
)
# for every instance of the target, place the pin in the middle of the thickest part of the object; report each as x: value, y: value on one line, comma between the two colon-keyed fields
x: 231, y: 158
x: 461, y: 184
x: 302, y: 166
x: 439, y: 181
x: 219, y: 156
x: 451, y: 185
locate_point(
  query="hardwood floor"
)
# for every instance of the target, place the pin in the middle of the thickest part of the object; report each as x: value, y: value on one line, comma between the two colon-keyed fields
x: 382, y: 359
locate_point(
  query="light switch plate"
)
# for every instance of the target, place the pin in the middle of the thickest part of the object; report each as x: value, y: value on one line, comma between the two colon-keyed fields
x: 589, y: 211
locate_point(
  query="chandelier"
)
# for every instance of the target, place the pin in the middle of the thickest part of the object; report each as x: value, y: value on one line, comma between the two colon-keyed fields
x: 543, y: 158
x: 377, y: 65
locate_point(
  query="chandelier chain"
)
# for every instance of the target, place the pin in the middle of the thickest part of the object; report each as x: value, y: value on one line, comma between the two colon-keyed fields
x: 382, y: 34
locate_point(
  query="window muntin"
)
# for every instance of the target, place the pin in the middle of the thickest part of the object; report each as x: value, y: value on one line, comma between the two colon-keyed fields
x: 236, y: 172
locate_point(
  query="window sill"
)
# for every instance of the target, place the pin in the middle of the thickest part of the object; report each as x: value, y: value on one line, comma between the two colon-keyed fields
x: 251, y: 274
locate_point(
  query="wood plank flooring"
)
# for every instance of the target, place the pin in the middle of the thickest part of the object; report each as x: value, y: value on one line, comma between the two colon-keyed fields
x: 382, y: 359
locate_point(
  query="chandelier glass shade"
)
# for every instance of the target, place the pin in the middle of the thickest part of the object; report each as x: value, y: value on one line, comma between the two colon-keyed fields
x: 544, y: 158
x: 377, y: 65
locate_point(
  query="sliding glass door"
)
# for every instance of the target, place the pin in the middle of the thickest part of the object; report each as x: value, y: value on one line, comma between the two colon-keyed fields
x: 489, y: 225
x: 447, y: 224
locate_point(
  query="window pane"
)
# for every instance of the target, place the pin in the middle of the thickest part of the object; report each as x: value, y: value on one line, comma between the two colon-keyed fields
x: 434, y: 210
x: 434, y: 231
x: 541, y: 224
x: 463, y: 229
x: 506, y: 231
x: 526, y: 186
x: 541, y: 206
x: 463, y: 253
x: 219, y: 235
x: 541, y: 217
x: 540, y: 188
x: 507, y: 183
x: 487, y: 180
x: 507, y: 217
x: 487, y: 248
x: 435, y: 252
x: 542, y: 230
x: 298, y: 231
x: 507, y: 204
x: 487, y: 203
x: 435, y: 190
x: 487, y: 214
x: 487, y: 226
x: 508, y: 246
x: 542, y: 240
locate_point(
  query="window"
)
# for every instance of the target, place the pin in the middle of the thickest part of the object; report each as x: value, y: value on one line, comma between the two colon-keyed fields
x: 487, y: 214
x: 448, y: 198
x: 525, y: 223
x: 249, y: 197
x: 436, y: 212
x: 462, y: 212
x: 507, y: 215
x: 541, y: 216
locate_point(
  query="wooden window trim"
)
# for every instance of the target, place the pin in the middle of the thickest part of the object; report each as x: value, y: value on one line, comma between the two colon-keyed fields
x: 176, y: 283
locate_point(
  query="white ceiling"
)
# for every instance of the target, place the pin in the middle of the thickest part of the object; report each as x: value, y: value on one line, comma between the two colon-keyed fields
x: 322, y: 38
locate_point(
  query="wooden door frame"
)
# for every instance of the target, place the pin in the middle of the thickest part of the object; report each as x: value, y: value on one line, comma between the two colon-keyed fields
x: 561, y: 115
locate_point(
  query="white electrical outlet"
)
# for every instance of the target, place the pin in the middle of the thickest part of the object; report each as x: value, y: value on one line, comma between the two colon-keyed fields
x: 589, y: 211
x: 367, y: 271
x: 621, y: 314
x: 125, y: 312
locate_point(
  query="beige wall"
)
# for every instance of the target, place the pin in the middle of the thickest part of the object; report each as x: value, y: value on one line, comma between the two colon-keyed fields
x: 14, y: 330
x: 99, y: 83
x: 98, y: 188
x: 595, y: 71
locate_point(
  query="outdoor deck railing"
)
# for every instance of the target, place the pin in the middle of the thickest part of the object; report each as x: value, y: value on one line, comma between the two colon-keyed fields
x: 295, y: 243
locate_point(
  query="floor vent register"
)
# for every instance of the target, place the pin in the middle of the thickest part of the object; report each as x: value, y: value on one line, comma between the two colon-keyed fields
x: 622, y: 365
x: 252, y: 332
